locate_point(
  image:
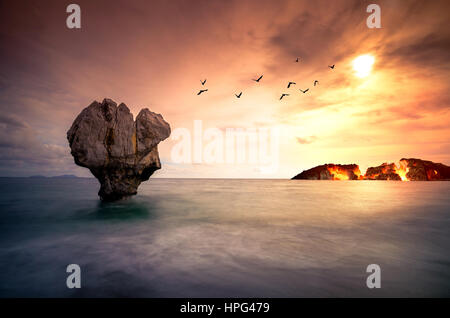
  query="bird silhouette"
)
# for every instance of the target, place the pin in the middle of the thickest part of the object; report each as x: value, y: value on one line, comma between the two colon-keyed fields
x: 296, y: 60
x: 316, y: 82
x: 291, y: 83
x: 282, y: 95
x: 201, y: 91
x: 257, y: 80
x: 203, y: 82
x: 304, y: 91
x: 238, y: 95
x: 332, y: 66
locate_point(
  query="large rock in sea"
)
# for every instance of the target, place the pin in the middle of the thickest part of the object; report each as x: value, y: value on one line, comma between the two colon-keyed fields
x: 331, y: 171
x: 120, y: 153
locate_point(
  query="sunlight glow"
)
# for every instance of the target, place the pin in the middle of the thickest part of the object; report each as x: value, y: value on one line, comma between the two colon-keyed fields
x: 363, y: 65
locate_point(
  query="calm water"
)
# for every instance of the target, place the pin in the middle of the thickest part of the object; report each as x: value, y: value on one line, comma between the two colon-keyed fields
x: 225, y: 238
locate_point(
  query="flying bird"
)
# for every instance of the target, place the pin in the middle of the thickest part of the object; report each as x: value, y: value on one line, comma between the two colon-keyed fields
x: 332, y: 66
x: 296, y: 60
x: 282, y: 95
x: 316, y: 82
x: 304, y: 90
x: 291, y: 83
x: 238, y: 95
x: 201, y: 91
x: 203, y: 82
x: 257, y: 80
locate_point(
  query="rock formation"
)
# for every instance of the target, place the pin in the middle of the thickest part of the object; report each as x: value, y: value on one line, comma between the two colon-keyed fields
x: 384, y: 172
x: 423, y: 170
x: 120, y: 153
x: 407, y: 170
x: 331, y: 172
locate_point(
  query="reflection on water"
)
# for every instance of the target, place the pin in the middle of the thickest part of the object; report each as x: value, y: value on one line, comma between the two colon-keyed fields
x: 121, y: 211
x: 223, y: 238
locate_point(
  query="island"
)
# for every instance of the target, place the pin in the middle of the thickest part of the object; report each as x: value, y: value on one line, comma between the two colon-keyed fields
x: 406, y: 170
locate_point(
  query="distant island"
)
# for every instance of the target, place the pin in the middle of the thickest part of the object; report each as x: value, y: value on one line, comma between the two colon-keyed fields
x: 63, y: 176
x: 407, y: 170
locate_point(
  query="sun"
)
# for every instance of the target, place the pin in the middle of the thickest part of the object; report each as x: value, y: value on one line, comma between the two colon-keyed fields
x: 363, y: 65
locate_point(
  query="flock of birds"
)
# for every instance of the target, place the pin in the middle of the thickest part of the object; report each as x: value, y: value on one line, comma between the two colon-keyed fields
x: 316, y: 82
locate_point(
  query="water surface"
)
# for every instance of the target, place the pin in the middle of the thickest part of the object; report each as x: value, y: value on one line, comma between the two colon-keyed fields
x: 225, y: 238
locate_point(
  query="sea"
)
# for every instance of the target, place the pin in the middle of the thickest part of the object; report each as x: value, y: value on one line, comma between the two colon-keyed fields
x: 225, y: 238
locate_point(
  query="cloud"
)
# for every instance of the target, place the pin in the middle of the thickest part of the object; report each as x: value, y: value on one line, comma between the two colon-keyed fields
x: 307, y: 140
x: 430, y: 50
x: 160, y: 50
x: 12, y: 121
x: 23, y: 153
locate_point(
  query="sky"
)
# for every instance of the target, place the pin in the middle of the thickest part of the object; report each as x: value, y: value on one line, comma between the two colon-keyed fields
x: 154, y: 54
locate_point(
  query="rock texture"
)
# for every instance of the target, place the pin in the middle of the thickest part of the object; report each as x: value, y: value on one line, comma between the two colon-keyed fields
x: 120, y: 153
x: 384, y: 172
x: 407, y: 170
x: 331, y: 172
x: 423, y: 170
